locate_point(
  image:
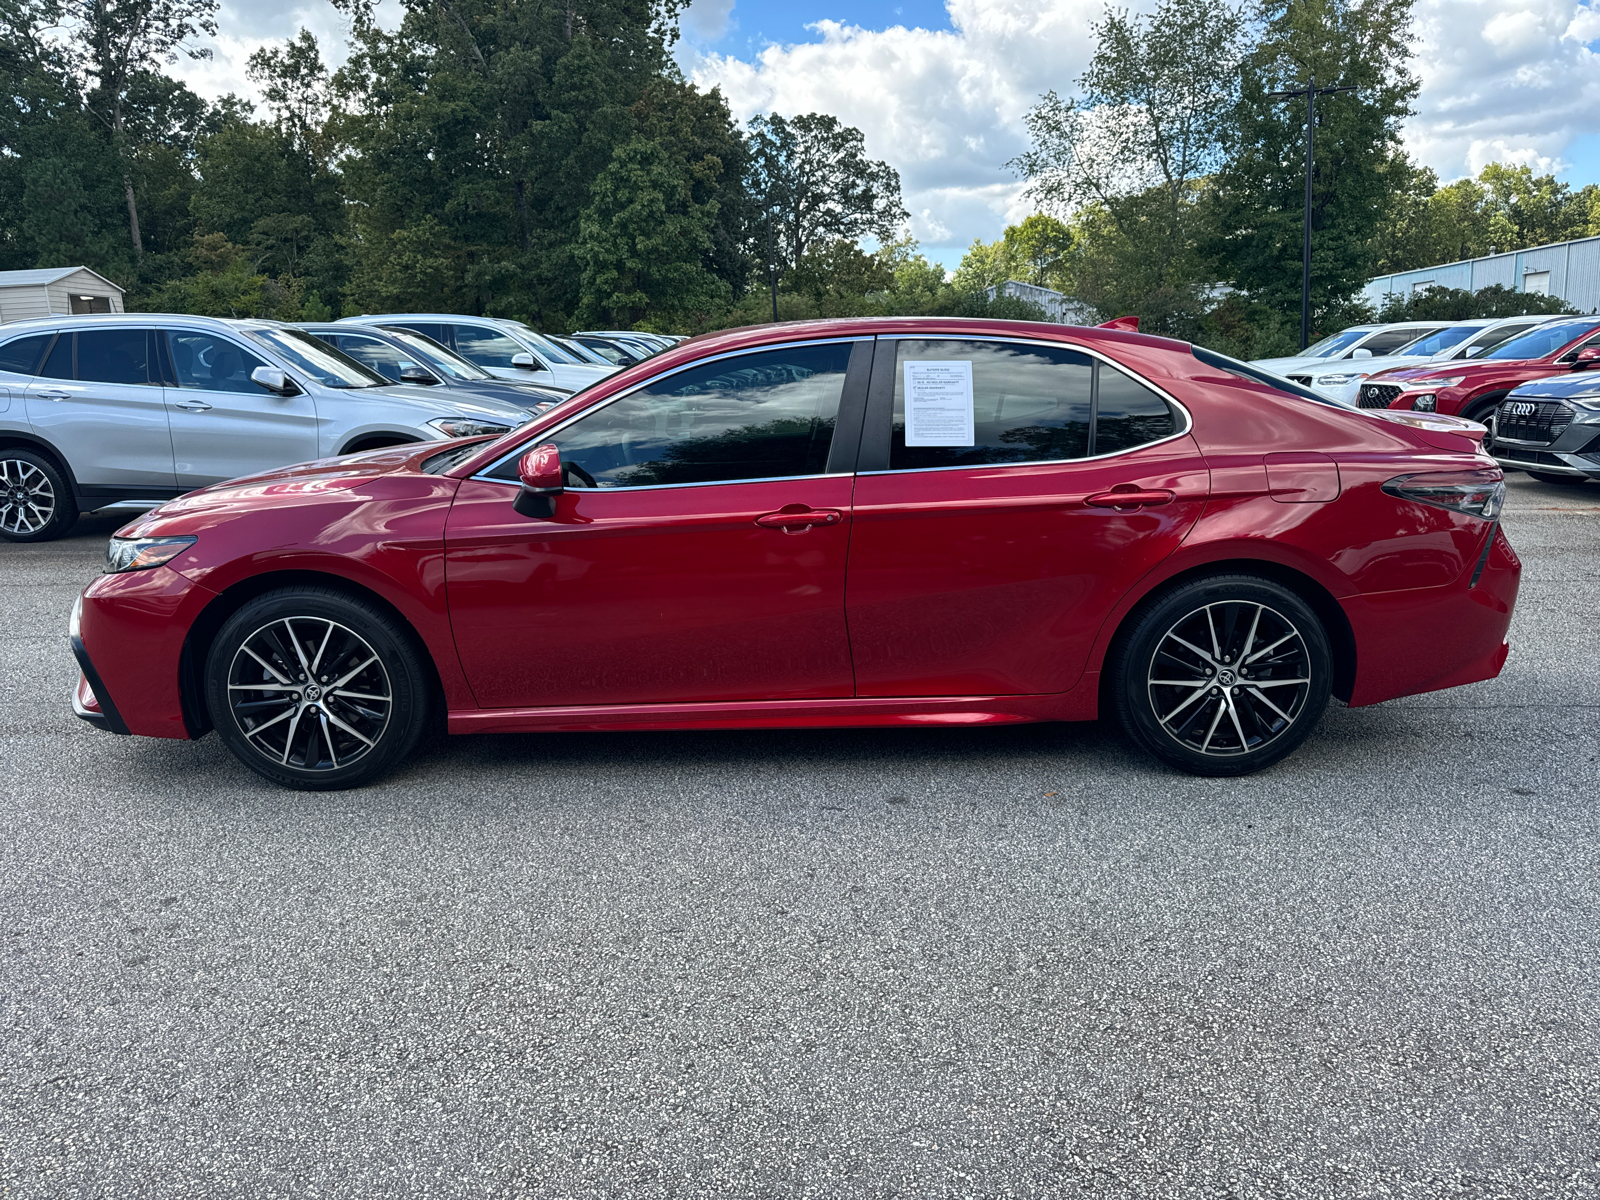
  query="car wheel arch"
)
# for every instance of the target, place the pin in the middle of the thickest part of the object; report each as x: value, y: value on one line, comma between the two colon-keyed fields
x: 361, y: 443
x: 1321, y: 601
x: 205, y: 627
x: 1484, y: 402
x: 11, y: 439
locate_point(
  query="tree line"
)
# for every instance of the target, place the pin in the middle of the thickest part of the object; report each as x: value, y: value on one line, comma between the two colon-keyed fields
x: 545, y: 159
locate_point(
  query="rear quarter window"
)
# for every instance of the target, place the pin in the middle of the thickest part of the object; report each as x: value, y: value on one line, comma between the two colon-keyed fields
x: 22, y: 355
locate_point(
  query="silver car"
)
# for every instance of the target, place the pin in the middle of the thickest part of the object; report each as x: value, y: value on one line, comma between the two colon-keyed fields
x: 506, y: 348
x: 139, y: 407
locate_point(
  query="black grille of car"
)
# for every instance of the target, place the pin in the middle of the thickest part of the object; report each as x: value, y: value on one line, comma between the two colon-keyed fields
x: 1517, y: 456
x: 1548, y: 420
x: 1378, y: 395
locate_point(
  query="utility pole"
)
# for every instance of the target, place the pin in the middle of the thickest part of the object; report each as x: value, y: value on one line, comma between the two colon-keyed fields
x: 1311, y: 91
x: 772, y: 269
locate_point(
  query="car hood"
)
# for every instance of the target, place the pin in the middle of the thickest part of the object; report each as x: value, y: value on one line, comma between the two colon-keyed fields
x: 1444, y: 370
x: 1580, y: 385
x: 1282, y: 366
x: 452, y: 402
x: 283, y: 487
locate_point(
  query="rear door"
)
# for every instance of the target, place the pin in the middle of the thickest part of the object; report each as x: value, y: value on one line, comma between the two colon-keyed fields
x: 224, y: 424
x: 984, y: 560
x: 99, y: 401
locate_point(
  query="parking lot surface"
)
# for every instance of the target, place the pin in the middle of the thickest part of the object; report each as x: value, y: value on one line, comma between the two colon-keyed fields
x: 1011, y: 962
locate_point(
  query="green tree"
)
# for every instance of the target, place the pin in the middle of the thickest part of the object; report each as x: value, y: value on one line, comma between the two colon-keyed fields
x: 1128, y: 158
x: 1259, y: 191
x: 811, y: 177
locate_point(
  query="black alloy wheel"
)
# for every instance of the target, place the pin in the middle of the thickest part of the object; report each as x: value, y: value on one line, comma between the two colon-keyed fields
x: 36, y: 503
x: 1223, y: 676
x: 316, y: 689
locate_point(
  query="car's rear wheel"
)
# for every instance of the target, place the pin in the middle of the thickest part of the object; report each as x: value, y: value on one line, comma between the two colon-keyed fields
x: 36, y: 503
x: 1549, y: 477
x: 1223, y: 676
x: 316, y: 689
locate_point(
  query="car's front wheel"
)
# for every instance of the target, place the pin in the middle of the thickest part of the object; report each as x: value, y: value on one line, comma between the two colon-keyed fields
x: 1223, y: 676
x: 316, y: 689
x: 36, y: 503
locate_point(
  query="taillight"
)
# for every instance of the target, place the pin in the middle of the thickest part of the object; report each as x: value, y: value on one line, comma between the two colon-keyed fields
x: 1476, y: 493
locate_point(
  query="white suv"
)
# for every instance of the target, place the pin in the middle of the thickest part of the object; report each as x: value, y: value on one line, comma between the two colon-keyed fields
x: 140, y: 407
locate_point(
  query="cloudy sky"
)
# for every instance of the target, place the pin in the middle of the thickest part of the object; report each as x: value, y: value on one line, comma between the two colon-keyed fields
x: 939, y: 89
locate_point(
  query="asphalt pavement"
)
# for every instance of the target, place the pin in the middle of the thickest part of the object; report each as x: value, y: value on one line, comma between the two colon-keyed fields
x: 1011, y: 962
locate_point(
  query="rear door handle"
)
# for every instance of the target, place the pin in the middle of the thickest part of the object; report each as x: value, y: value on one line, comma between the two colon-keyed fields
x: 1130, y: 498
x: 52, y: 395
x: 801, y: 520
x: 192, y: 405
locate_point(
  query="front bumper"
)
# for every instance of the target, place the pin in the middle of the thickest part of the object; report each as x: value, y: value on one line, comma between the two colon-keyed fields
x: 91, y: 701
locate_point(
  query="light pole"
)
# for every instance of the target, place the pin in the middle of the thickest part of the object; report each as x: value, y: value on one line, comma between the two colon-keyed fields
x: 772, y: 269
x: 1311, y: 91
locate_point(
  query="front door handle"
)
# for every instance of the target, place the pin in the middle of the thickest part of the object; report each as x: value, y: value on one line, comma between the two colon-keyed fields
x: 52, y: 395
x: 192, y: 405
x: 797, y: 519
x: 1129, y: 497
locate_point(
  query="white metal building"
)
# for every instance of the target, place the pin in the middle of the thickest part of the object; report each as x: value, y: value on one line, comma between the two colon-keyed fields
x: 56, y: 291
x: 1570, y: 270
x: 1057, y: 305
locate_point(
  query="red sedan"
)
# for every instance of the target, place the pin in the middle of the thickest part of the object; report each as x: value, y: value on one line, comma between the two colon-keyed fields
x: 843, y: 523
x: 1473, y: 388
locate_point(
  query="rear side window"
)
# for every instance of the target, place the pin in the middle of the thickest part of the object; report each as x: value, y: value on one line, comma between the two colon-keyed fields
x: 22, y: 355
x: 765, y: 415
x: 114, y: 356
x: 486, y: 347
x: 1029, y: 404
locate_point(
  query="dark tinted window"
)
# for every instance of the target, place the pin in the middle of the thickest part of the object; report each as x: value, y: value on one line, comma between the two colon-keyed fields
x: 59, y: 364
x: 114, y: 356
x: 488, y: 347
x: 757, y: 416
x: 1390, y: 340
x: 1029, y: 404
x: 22, y: 355
x: 438, y: 333
x: 1129, y: 414
x: 202, y: 360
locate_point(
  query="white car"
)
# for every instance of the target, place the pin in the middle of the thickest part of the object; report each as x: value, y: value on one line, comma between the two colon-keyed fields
x: 1464, y: 339
x: 507, y: 349
x: 1339, y: 359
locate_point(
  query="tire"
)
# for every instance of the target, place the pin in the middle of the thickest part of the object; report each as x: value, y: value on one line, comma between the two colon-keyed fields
x: 1168, y: 675
x: 1564, y: 480
x: 36, y: 502
x: 342, y: 727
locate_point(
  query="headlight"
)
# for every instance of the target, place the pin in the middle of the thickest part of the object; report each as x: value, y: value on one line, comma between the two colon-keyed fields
x: 1476, y: 493
x: 1593, y: 404
x: 1431, y: 385
x: 457, y: 427
x: 1339, y: 380
x: 140, y: 554
x: 1423, y: 404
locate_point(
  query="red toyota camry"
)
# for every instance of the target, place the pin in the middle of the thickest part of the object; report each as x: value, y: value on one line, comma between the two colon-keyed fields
x: 881, y: 522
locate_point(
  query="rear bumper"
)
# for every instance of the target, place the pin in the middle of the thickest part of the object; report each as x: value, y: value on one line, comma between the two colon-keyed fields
x: 1425, y: 639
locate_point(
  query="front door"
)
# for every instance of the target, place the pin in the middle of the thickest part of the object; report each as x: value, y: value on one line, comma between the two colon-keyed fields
x: 99, y: 401
x: 224, y: 424
x: 698, y: 553
x: 985, y: 559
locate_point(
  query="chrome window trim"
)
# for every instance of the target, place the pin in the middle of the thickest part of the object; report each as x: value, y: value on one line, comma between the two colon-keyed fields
x: 657, y: 487
x: 654, y: 379
x: 1188, y: 419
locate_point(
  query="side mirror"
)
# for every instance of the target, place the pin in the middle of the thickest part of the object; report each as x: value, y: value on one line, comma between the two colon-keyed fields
x: 1588, y: 358
x: 526, y: 361
x: 1361, y: 354
x: 418, y: 375
x: 274, y: 380
x: 540, y: 473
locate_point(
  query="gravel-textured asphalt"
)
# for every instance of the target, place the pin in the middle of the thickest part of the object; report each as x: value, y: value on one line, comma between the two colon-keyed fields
x: 1014, y: 962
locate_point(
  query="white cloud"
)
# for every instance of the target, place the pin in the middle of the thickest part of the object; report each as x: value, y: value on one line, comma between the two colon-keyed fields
x: 707, y: 20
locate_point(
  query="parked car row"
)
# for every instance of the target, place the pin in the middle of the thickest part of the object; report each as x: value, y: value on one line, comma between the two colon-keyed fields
x: 134, y: 408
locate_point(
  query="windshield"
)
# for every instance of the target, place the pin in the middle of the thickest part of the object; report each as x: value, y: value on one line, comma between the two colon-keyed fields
x: 545, y: 346
x: 1492, y: 336
x: 316, y: 358
x: 1256, y: 375
x: 1331, y: 345
x: 446, y: 361
x: 1546, y: 339
x: 1432, y: 343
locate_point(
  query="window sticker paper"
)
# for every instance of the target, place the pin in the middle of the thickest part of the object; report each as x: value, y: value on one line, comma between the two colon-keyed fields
x: 939, y: 403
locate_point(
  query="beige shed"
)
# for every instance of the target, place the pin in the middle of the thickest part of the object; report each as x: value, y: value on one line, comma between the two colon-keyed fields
x: 56, y: 291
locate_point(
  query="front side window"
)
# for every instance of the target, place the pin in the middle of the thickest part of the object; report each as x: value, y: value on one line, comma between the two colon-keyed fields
x: 21, y: 356
x: 211, y: 363
x: 114, y: 356
x: 488, y: 347
x: 764, y: 415
x: 1029, y: 404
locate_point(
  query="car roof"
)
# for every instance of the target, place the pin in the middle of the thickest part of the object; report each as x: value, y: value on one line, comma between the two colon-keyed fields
x: 65, y: 321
